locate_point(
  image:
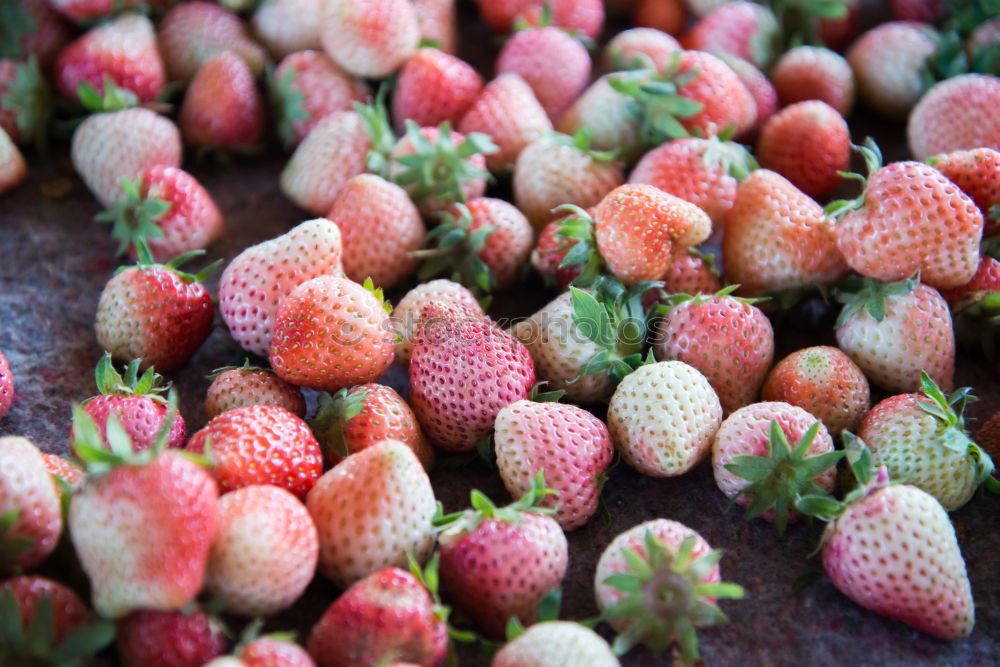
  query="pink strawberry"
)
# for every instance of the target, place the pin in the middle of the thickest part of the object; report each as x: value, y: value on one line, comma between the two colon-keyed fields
x: 977, y: 173
x: 285, y: 27
x: 743, y: 29
x: 356, y: 539
x: 265, y: 552
x: 692, y: 272
x: 192, y: 33
x: 957, y: 114
x: 25, y: 101
x: 222, y: 108
x: 30, y: 516
x: 437, y: 20
x: 433, y: 87
x: 887, y: 61
x: 986, y: 279
x: 814, y: 73
x: 6, y: 386
x: 550, y: 251
x: 369, y: 38
x: 259, y: 278
x: 639, y: 48
x: 409, y: 311
x: 260, y: 444
x: 556, y: 66
x: 13, y: 167
x: 90, y: 11
x: 238, y: 387
x: 169, y: 638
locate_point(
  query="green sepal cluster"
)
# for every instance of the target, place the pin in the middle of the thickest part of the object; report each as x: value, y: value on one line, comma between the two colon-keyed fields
x: 134, y: 216
x: 581, y: 140
x: 859, y: 461
x: 538, y: 396
x: 870, y: 295
x: 287, y: 103
x: 665, y: 597
x: 30, y: 97
x: 35, y: 644
x: 332, y: 414
x: 378, y: 293
x: 115, y: 98
x: 952, y: 55
x: 455, y: 247
x: 783, y: 476
x: 145, y: 262
x: 799, y: 20
x: 12, y: 547
x: 376, y: 118
x: 16, y: 23
x: 734, y: 158
x: 483, y: 508
x: 429, y: 578
x: 671, y: 301
x: 110, y: 381
x: 657, y: 101
x: 578, y: 228
x: 247, y: 367
x: 872, y: 156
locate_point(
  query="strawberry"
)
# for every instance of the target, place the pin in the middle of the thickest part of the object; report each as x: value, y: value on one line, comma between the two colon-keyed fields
x: 192, y: 33
x: 385, y: 618
x: 135, y: 402
x: 155, y: 313
x: 556, y: 66
x: 109, y: 147
x: 942, y: 225
x: 222, y: 108
x: 656, y: 431
x: 363, y: 416
x: 273, y: 649
x: 506, y: 109
x: 285, y: 27
x: 977, y: 173
x: 483, y: 242
x: 957, y: 114
x: 13, y: 168
x: 369, y: 38
x: 455, y: 344
x: 887, y: 61
x: 265, y: 552
x: 554, y: 643
x: 122, y: 50
x: 238, y: 387
x: 692, y: 272
x: 608, y: 118
x: 31, y: 593
x: 657, y: 582
x: 143, y: 523
x: 437, y: 19
x: 809, y: 144
x: 408, y: 312
x: 558, y: 169
x: 25, y: 101
x: 566, y: 443
x: 728, y: 339
x: 482, y: 551
x: 32, y: 27
x: 6, y: 386
x: 64, y: 472
x: 380, y: 227
x: 667, y: 15
x: 894, y: 331
x: 330, y: 333
x: 986, y: 279
x: 169, y: 638
x: 433, y: 87
x: 550, y: 251
x: 814, y: 73
x: 823, y: 381
x: 356, y: 539
x: 583, y: 16
x: 761, y: 89
x: 777, y: 238
x: 30, y: 516
x: 259, y: 278
x: 638, y: 48
x: 260, y: 444
x: 743, y: 29
x: 307, y: 87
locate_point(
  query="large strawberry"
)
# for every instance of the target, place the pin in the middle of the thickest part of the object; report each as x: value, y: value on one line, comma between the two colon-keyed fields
x: 433, y: 87
x: 958, y: 114
x: 169, y: 638
x: 887, y: 61
x: 369, y: 38
x: 554, y: 643
x: 30, y: 516
x: 407, y: 314
x: 222, y: 107
x: 192, y: 33
x: 6, y: 386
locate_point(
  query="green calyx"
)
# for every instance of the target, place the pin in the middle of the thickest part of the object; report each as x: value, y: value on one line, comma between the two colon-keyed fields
x: 134, y: 216
x: 430, y: 579
x: 666, y: 597
x: 870, y: 295
x: 799, y: 20
x: 783, y: 476
x: 873, y: 162
x: 247, y: 367
x: 825, y: 507
x: 580, y: 140
x: 145, y: 263
x: 287, y: 103
x: 732, y: 157
x: 114, y: 97
x: 674, y: 300
x: 456, y: 248
x: 33, y: 643
x: 538, y: 396
x: 332, y: 415
x: 109, y: 381
x: 376, y: 119
x: 16, y: 23
x: 952, y: 55
x: 483, y: 508
x: 578, y: 231
x: 30, y: 97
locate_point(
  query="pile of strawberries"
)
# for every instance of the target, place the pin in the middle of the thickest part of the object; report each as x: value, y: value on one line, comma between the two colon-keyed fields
x: 678, y: 195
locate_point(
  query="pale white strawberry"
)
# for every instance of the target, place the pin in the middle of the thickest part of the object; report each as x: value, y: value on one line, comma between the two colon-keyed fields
x: 287, y: 26
x: 369, y: 38
x: 30, y: 516
x: 556, y: 643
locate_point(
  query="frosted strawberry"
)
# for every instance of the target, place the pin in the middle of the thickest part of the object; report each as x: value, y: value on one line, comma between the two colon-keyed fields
x: 25, y: 101
x: 363, y: 416
x: 659, y: 581
x: 766, y: 456
x: 823, y: 381
x: 728, y: 339
x: 13, y: 167
x: 895, y: 331
x: 238, y: 387
x: 958, y: 114
x: 259, y: 278
x: 285, y: 27
x: 457, y: 344
x: 222, y: 108
x: 550, y: 643
x: 357, y: 539
x: 777, y: 238
x: 109, y: 147
x: 265, y: 552
x: 407, y: 314
x: 330, y: 333
x: 6, y: 386
x: 482, y: 550
x: 584, y: 16
x: 942, y: 225
x: 566, y: 443
x: 169, y: 638
x: 887, y: 61
x: 814, y: 73
x: 437, y: 20
x: 380, y: 228
x: 122, y: 50
x: 305, y: 88
x: 369, y: 38
x: 433, y: 87
x: 662, y: 418
x: 143, y: 523
x: 638, y: 48
x: 745, y: 30
x: 977, y: 173
x: 192, y: 33
x: 808, y: 143
x: 556, y: 66
x: 30, y: 516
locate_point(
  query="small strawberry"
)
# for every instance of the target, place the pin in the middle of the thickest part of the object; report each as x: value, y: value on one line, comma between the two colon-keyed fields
x: 363, y: 416
x: 257, y: 280
x: 30, y: 516
x: 369, y: 38
x: 554, y: 643
x: 356, y: 539
x: 169, y: 638
x: 977, y: 173
x: 482, y: 551
x: 25, y: 101
x: 433, y: 87
x: 13, y: 168
x: 657, y: 582
x: 823, y: 381
x: 192, y: 33
x: 407, y: 314
x: 556, y: 66
x: 743, y: 29
x: 6, y: 386
x: 437, y: 20
x: 457, y: 345
x: 88, y: 12
x: 662, y: 418
x: 238, y: 387
x: 260, y: 444
x: 285, y: 27
x: 986, y: 279
x: 887, y: 61
x: 65, y: 473
x: 957, y: 114
x: 638, y: 48
x: 814, y: 73
x: 222, y: 107
x: 265, y: 552
x: 608, y: 118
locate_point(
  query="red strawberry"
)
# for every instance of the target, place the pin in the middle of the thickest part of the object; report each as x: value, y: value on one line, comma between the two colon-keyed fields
x: 28, y: 592
x: 259, y: 278
x: 25, y: 101
x: 550, y: 251
x: 437, y: 19
x: 265, y: 552
x: 956, y: 114
x: 380, y: 227
x: 356, y: 539
x: 330, y: 333
x: 556, y: 66
x: 743, y: 29
x: 355, y: 419
x: 639, y: 48
x: 408, y: 312
x: 369, y: 38
x: 192, y: 33
x: 814, y: 73
x: 13, y: 168
x: 260, y: 444
x: 287, y: 26
x: 482, y: 552
x: 6, y: 386
x: 222, y: 108
x: 238, y: 387
x: 977, y: 173
x: 986, y: 279
x: 122, y: 50
x: 454, y: 344
x: 30, y: 516
x: 33, y: 27
x: 169, y: 638
x: 584, y: 16
x: 433, y: 87
x: 887, y: 61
